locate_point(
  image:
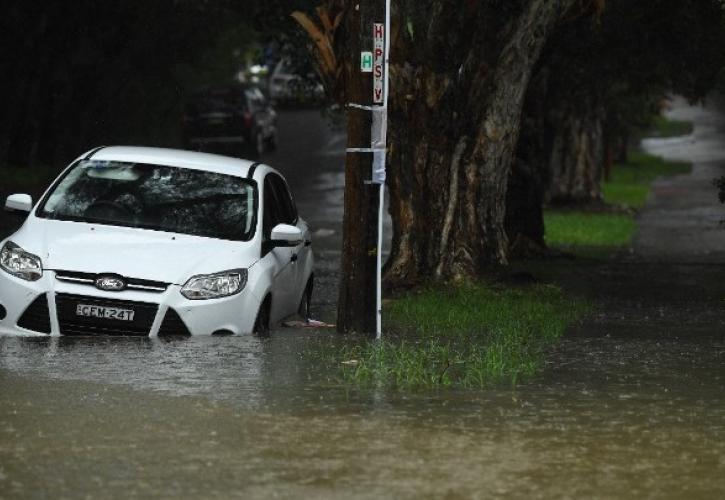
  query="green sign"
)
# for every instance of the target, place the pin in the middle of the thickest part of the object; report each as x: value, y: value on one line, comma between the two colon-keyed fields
x: 366, y: 62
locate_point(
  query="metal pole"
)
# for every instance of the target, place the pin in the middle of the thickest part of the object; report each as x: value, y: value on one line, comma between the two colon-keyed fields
x: 381, y: 208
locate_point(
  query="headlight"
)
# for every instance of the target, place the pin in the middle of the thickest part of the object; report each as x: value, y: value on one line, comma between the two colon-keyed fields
x: 214, y: 286
x: 18, y: 262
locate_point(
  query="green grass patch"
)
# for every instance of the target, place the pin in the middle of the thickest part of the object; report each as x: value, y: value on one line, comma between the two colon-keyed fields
x: 663, y: 127
x: 588, y: 229
x: 628, y: 187
x: 629, y: 184
x: 461, y: 336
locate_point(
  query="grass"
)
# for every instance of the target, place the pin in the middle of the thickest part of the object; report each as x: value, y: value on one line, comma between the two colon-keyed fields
x: 629, y: 184
x: 628, y: 188
x: 461, y: 336
x: 663, y: 127
x: 588, y: 229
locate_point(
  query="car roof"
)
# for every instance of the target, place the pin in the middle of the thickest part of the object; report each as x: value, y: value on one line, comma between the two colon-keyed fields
x: 229, y: 90
x: 176, y: 158
x: 228, y: 87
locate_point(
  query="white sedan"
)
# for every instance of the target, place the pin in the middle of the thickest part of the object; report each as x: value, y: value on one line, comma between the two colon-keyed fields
x: 146, y: 241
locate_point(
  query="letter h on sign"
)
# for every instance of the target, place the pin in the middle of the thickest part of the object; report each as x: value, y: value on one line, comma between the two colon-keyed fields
x: 366, y: 62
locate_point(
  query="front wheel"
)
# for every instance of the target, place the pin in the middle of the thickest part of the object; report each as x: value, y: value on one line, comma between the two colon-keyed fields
x: 306, y: 302
x: 261, y: 324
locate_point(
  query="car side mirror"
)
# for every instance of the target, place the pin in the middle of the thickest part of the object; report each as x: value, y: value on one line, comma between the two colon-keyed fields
x: 285, y: 235
x: 19, y: 203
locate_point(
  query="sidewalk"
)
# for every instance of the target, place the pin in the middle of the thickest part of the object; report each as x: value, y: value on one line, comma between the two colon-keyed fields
x: 681, y: 221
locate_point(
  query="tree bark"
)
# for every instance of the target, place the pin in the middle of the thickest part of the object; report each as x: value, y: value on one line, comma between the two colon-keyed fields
x: 577, y: 157
x: 529, y: 178
x: 454, y: 128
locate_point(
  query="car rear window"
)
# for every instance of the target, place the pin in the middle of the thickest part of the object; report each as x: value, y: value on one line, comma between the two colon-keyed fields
x: 221, y: 99
x: 155, y: 197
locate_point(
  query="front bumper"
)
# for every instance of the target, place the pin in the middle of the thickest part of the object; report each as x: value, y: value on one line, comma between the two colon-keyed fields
x: 27, y: 303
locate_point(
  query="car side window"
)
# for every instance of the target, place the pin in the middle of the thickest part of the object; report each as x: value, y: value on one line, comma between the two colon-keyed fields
x: 287, y: 208
x: 271, y: 209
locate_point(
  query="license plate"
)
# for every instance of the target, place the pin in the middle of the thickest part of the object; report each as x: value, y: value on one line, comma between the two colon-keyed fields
x: 104, y: 312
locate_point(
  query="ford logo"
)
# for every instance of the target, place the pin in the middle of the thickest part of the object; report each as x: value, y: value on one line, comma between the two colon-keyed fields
x: 110, y: 283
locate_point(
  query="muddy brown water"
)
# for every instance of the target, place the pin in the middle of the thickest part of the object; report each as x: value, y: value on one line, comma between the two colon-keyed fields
x: 630, y: 404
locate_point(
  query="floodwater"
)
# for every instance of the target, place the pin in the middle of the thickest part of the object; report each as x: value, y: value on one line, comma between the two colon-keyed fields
x: 243, y: 417
x: 631, y: 404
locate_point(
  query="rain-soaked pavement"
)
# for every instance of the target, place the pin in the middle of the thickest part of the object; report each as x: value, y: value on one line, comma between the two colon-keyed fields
x: 631, y: 404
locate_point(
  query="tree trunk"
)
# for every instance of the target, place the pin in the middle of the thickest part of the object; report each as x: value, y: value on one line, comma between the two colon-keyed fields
x: 356, y: 310
x: 623, y: 148
x: 577, y: 157
x: 454, y: 128
x: 529, y: 178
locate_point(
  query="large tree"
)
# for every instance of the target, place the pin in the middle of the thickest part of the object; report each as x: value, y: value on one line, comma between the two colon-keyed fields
x: 596, y: 79
x: 459, y: 73
x: 459, y: 77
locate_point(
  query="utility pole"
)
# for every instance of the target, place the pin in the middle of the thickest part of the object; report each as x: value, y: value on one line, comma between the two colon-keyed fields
x: 359, y: 303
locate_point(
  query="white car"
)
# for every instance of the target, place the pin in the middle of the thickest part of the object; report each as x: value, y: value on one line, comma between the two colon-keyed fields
x: 147, y: 241
x: 286, y: 86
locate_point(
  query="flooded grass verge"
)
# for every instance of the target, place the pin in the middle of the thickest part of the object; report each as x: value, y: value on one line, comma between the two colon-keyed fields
x: 466, y: 336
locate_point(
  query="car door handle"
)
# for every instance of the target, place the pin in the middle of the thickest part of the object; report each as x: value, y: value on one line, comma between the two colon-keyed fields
x: 294, y: 257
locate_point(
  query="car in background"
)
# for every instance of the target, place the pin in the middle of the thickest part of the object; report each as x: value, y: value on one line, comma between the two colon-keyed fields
x: 287, y: 87
x: 153, y: 242
x: 235, y: 118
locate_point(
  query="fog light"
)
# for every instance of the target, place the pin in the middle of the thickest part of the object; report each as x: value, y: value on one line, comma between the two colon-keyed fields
x: 3, y: 312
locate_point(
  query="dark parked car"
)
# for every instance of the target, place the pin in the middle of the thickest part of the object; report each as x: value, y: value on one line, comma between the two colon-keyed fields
x: 230, y: 118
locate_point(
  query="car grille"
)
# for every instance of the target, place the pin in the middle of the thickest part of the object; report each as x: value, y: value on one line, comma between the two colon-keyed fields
x: 173, y: 324
x: 131, y: 283
x: 72, y: 324
x: 36, y: 317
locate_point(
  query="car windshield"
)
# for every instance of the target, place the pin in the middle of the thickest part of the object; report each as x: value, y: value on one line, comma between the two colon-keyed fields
x: 156, y: 197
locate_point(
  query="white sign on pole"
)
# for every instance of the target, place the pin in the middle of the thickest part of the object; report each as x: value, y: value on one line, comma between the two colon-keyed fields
x: 378, y: 62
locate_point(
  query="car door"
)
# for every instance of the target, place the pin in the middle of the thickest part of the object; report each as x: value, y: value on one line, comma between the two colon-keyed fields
x: 280, y: 259
x: 302, y: 252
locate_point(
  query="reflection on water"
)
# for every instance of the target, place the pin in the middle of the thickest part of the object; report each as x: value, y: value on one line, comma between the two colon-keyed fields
x: 219, y: 367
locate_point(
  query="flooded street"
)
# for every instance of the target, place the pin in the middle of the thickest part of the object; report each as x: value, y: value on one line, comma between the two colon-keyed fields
x: 631, y: 403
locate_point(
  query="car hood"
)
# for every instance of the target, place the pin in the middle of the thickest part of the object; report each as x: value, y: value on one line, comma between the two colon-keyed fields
x: 130, y: 252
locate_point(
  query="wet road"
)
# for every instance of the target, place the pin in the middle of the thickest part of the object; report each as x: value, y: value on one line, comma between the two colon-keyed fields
x: 630, y: 405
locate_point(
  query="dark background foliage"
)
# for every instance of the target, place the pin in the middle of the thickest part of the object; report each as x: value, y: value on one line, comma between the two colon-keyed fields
x: 84, y: 73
